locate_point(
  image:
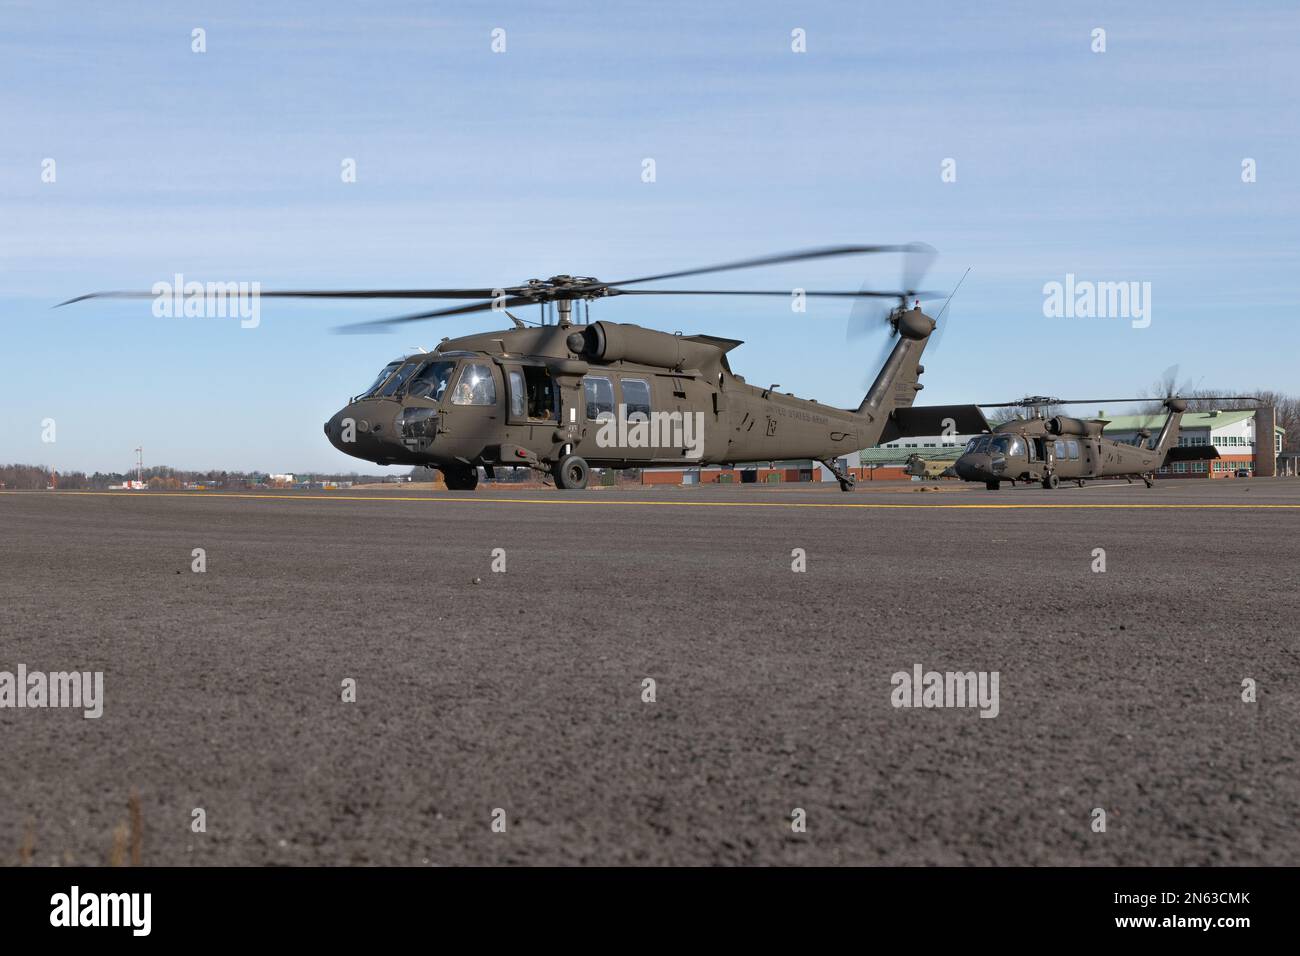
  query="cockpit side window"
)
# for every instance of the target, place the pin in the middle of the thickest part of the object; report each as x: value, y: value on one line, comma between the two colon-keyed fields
x: 475, y: 387
x: 431, y: 381
x: 1017, y: 447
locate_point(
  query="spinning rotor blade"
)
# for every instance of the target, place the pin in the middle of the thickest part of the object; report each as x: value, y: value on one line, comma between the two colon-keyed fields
x: 573, y: 288
x: 1037, y: 400
x: 787, y: 293
x: 322, y: 294
x: 376, y: 325
x: 827, y: 252
x: 916, y: 263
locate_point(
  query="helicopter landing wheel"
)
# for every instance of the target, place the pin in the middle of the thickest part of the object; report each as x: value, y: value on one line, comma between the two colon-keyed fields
x: 1051, y: 482
x: 1079, y: 482
x: 460, y: 478
x: 1148, y: 481
x: 847, y: 484
x: 992, y: 485
x: 571, y: 473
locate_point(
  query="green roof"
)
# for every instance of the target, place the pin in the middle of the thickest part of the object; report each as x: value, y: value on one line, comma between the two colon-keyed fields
x: 899, y: 456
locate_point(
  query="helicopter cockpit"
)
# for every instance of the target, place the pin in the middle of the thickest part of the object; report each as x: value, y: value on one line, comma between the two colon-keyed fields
x: 425, y: 378
x: 1006, y: 446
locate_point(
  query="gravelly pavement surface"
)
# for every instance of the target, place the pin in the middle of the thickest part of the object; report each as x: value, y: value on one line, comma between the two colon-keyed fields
x: 1119, y: 690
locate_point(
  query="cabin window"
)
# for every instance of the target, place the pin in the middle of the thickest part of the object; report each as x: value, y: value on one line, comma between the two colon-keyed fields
x: 636, y: 396
x: 1074, y: 450
x: 476, y: 386
x: 599, y: 392
x: 1060, y: 449
x: 518, y: 394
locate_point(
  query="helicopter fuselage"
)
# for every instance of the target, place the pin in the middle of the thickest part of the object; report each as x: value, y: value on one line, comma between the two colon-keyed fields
x: 1058, y: 449
x: 618, y: 396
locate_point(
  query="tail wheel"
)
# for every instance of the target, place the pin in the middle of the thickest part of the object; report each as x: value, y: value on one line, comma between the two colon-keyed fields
x: 463, y: 478
x: 572, y: 473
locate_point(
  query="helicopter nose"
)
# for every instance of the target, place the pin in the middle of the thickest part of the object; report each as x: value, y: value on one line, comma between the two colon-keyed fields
x: 334, y: 429
x: 351, y: 432
x: 975, y: 467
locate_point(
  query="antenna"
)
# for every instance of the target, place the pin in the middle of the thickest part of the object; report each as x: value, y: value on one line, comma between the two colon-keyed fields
x: 951, y: 294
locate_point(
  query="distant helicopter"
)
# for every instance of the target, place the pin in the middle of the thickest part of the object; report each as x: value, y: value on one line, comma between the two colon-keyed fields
x: 1049, y: 450
x: 561, y: 397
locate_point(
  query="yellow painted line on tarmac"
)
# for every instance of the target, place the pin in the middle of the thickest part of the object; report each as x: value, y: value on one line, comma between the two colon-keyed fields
x: 561, y: 498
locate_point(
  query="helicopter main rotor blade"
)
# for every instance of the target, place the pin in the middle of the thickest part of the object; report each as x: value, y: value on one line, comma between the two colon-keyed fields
x: 324, y: 294
x: 378, y: 325
x: 1061, y: 401
x: 787, y: 293
x: 826, y: 252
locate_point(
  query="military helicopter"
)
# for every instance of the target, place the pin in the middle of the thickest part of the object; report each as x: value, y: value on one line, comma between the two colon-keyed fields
x: 561, y: 397
x: 1049, y: 450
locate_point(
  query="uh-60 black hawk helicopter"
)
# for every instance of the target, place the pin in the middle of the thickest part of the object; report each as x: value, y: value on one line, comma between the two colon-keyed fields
x: 561, y: 397
x: 1050, y: 450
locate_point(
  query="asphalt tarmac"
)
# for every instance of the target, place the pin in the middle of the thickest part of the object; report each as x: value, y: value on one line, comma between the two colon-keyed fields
x: 478, y: 690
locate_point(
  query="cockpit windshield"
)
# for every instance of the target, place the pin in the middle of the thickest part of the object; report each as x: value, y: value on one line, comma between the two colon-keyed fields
x: 399, y: 378
x: 1006, y: 445
x: 431, y: 381
x: 386, y: 371
x: 978, y: 443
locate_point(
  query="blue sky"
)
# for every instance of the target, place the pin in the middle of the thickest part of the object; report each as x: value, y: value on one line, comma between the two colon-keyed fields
x: 485, y: 169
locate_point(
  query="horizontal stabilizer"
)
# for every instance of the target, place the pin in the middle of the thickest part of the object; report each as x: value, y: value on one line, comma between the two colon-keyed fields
x: 1192, y: 453
x: 934, y: 420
